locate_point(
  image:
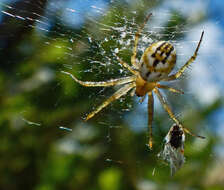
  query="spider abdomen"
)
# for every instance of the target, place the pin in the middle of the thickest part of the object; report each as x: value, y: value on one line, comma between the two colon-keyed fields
x: 157, y: 61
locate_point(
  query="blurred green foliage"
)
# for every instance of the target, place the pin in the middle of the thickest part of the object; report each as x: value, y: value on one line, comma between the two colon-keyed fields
x: 104, y: 153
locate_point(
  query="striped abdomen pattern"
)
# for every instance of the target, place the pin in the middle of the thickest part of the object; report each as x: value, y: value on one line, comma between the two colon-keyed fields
x: 157, y: 61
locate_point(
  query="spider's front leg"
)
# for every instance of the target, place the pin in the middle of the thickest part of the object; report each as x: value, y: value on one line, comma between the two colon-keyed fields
x: 112, y: 82
x: 121, y: 92
x: 128, y: 81
x: 166, y: 106
x: 150, y: 116
x: 171, y: 114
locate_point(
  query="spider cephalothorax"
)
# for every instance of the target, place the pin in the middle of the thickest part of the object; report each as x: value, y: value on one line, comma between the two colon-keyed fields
x: 156, y: 63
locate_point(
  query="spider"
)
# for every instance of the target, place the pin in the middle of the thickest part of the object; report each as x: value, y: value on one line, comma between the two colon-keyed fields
x: 156, y: 63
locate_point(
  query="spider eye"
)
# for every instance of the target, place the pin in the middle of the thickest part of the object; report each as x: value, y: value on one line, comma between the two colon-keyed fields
x: 157, y: 61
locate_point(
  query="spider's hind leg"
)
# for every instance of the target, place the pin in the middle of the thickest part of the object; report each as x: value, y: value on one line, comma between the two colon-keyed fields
x: 193, y: 57
x: 137, y: 34
x: 125, y: 65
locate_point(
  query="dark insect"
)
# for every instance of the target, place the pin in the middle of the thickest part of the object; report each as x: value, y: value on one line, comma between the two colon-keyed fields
x: 173, y: 151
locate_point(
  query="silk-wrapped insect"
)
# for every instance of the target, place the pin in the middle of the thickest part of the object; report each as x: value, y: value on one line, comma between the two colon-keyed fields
x: 173, y: 150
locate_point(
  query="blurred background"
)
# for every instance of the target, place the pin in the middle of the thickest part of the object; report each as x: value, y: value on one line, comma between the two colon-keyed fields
x: 44, y: 142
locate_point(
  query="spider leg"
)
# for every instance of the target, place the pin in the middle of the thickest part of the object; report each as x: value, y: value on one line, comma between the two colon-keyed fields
x: 132, y: 93
x: 125, y: 65
x: 192, y: 134
x: 171, y: 114
x: 112, y: 82
x: 182, y: 69
x: 169, y: 88
x: 137, y: 34
x: 150, y: 116
x: 166, y: 106
x: 122, y: 91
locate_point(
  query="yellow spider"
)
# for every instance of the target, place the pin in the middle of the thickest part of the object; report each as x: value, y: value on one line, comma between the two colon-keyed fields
x: 155, y: 65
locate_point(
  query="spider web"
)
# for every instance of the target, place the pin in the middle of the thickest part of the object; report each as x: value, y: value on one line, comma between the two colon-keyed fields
x: 87, y: 28
x: 98, y: 30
